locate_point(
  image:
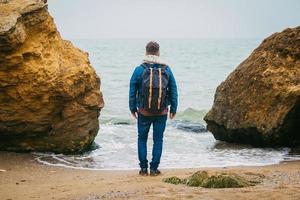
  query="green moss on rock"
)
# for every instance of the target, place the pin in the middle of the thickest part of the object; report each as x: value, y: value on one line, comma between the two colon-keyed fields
x: 173, y: 180
x: 197, y: 179
x: 225, y: 181
x: 202, y: 179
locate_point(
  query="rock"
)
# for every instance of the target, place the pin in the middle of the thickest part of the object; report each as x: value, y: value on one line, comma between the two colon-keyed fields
x: 226, y: 181
x: 188, y: 126
x: 197, y: 179
x: 259, y: 102
x: 215, y: 180
x: 50, y: 96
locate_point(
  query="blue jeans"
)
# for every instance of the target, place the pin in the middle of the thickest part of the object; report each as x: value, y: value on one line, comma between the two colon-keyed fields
x: 159, y: 125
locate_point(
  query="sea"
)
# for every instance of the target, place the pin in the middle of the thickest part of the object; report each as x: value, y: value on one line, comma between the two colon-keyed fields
x: 199, y: 66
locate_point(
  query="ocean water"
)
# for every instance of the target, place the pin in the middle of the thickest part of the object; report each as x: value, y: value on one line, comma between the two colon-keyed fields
x: 199, y: 66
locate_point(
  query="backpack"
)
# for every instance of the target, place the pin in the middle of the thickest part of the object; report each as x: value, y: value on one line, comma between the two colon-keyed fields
x: 154, y: 88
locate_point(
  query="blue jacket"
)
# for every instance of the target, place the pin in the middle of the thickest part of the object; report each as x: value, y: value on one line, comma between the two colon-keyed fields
x: 136, y: 89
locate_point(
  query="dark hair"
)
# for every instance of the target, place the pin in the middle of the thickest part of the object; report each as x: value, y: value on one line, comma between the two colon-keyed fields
x: 152, y: 47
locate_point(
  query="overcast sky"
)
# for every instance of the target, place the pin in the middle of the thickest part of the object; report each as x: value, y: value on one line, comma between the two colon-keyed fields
x: 173, y: 18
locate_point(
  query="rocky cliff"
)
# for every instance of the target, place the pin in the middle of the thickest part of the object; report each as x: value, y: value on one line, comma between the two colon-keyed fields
x: 259, y: 102
x: 50, y: 95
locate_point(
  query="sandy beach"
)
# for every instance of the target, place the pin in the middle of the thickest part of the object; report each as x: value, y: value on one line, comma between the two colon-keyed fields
x: 21, y: 177
x: 73, y: 72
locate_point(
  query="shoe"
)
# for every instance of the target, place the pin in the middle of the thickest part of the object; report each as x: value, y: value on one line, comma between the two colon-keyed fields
x: 143, y: 172
x: 155, y: 172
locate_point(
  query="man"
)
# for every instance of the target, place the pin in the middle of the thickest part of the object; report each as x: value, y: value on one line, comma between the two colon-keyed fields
x: 152, y: 89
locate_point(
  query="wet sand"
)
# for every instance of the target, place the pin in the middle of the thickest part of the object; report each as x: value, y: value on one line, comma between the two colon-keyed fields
x: 21, y: 177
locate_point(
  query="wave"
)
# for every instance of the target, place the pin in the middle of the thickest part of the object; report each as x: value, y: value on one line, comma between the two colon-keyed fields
x: 189, y: 120
x: 192, y: 115
x: 189, y: 126
x: 117, y: 121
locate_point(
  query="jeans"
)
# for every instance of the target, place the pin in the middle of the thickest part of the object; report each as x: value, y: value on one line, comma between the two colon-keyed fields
x: 159, y: 125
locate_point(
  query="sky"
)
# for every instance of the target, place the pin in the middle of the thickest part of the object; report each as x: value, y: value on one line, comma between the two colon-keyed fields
x: 80, y: 19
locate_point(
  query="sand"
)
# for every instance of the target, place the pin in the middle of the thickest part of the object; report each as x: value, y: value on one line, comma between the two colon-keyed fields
x: 21, y: 177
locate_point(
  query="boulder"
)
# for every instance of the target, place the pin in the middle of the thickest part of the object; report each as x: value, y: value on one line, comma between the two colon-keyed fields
x: 50, y: 96
x: 259, y: 102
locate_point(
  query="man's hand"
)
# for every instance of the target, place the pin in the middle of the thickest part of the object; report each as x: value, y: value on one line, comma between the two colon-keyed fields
x: 134, y: 114
x: 172, y: 115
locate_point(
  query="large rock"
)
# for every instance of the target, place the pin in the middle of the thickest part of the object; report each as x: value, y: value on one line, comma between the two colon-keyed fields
x: 50, y: 95
x: 259, y: 103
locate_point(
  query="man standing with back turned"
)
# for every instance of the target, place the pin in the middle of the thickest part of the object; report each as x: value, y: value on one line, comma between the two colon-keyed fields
x: 152, y: 89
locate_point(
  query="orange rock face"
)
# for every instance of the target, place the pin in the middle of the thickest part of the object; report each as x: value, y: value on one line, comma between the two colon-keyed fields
x: 259, y: 102
x: 50, y: 97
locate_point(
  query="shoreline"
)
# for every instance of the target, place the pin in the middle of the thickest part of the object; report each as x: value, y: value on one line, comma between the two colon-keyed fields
x: 25, y: 178
x: 161, y: 168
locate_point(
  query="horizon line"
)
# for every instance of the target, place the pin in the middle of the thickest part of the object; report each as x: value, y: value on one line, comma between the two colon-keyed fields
x: 179, y: 38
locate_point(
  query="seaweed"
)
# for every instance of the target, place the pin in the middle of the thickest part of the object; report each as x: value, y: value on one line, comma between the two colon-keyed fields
x: 197, y: 179
x: 226, y: 181
x: 203, y: 179
x: 173, y: 180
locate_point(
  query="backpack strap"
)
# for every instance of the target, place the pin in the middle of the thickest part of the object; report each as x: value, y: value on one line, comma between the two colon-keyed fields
x: 160, y: 89
x: 163, y: 66
x: 150, y: 88
x: 146, y: 65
